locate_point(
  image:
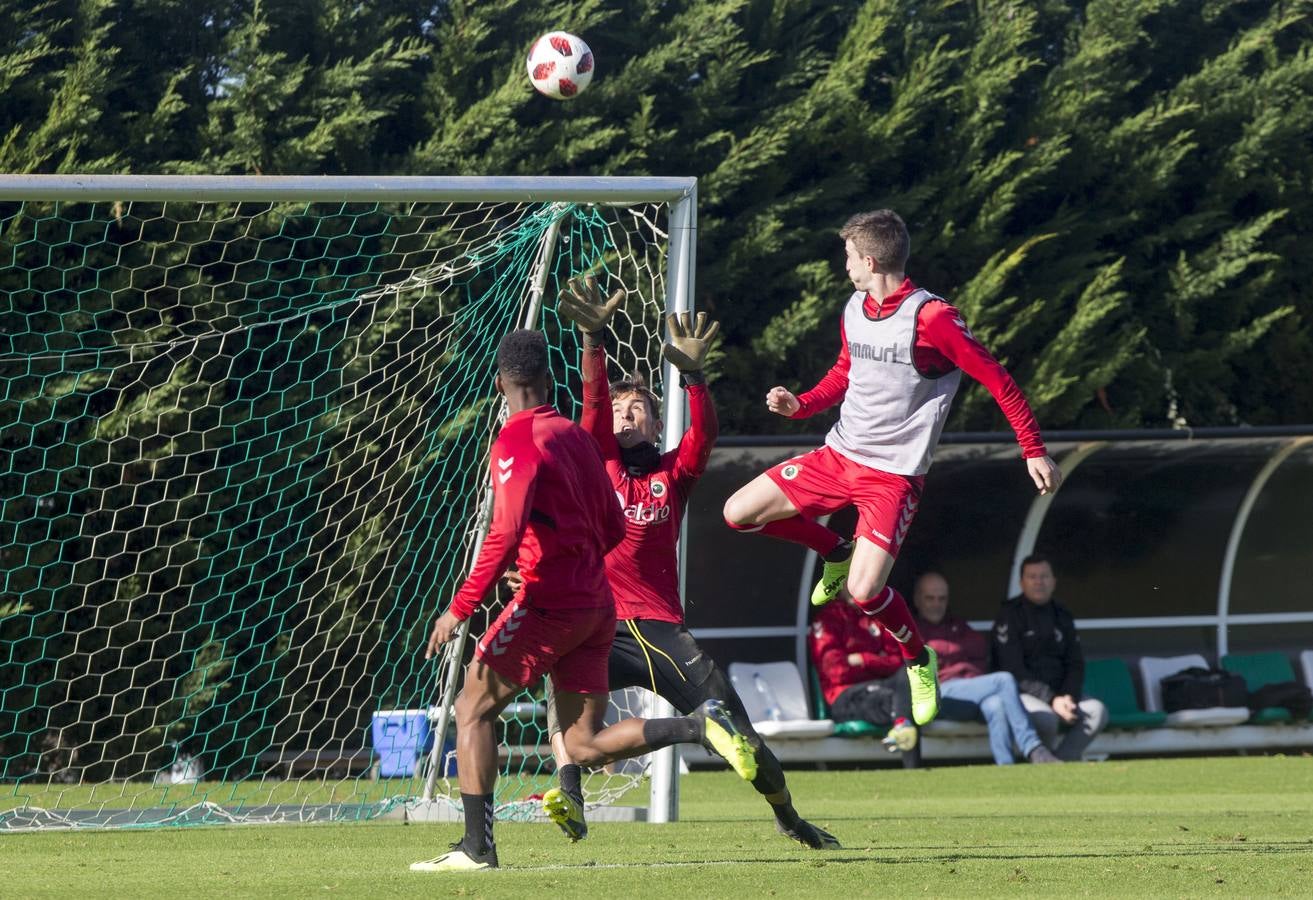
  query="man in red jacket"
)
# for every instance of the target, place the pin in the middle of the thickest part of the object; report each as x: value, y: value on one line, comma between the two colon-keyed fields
x: 860, y: 665
x: 966, y: 689
x: 555, y: 514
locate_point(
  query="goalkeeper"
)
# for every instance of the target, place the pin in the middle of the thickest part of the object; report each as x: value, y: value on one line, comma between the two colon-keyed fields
x: 653, y: 648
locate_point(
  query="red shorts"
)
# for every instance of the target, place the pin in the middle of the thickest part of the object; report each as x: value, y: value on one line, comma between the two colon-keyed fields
x: 823, y: 481
x: 573, y: 644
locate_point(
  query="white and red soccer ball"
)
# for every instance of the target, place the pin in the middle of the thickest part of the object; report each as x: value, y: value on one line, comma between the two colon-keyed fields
x: 560, y: 65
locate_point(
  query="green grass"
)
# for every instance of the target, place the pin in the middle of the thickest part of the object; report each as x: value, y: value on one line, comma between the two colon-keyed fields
x: 1238, y: 827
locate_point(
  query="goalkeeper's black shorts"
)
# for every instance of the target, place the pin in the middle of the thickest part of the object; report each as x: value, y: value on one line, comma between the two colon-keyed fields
x: 664, y: 658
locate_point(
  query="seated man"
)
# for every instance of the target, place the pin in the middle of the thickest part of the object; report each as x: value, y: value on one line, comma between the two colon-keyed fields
x: 1035, y: 639
x: 966, y: 692
x: 860, y: 665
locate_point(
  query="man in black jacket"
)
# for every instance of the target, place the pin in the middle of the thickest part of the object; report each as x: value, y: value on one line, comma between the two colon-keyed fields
x: 1035, y: 639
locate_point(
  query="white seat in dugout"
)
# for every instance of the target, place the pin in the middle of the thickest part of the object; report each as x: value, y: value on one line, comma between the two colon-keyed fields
x: 776, y: 701
x: 1306, y: 663
x: 1153, y: 669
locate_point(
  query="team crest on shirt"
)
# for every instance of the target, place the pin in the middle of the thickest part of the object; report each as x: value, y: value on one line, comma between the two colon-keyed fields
x: 790, y: 472
x: 658, y: 488
x: 873, y: 627
x: 817, y: 630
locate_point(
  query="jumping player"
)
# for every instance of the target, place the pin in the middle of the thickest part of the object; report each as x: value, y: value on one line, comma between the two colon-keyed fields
x: 652, y: 646
x: 901, y: 354
x: 554, y: 505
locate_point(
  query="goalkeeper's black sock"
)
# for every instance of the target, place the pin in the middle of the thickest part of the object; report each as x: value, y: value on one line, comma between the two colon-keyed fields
x: 658, y: 733
x: 571, y: 776
x: 478, y: 822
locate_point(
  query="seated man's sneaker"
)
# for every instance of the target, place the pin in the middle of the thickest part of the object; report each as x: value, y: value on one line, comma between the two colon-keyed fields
x: 810, y: 836
x: 902, y: 736
x: 721, y: 736
x: 459, y: 859
x: 834, y: 575
x: 1042, y: 754
x: 925, y: 688
x: 566, y: 812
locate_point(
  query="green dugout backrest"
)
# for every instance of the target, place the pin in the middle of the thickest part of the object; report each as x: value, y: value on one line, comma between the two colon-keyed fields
x: 1258, y: 669
x: 1110, y: 681
x: 841, y: 729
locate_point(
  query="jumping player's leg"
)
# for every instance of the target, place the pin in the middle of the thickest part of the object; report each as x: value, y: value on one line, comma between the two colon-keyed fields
x: 886, y: 506
x: 763, y: 506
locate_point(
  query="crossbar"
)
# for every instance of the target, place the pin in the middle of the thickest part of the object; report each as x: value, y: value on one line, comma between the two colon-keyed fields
x: 403, y: 188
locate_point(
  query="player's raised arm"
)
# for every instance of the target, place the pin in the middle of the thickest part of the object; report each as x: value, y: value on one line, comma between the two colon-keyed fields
x: 687, y: 343
x: 942, y: 325
x: 827, y: 392
x: 583, y: 305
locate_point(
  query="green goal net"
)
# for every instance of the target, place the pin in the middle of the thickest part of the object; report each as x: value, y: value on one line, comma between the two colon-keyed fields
x: 243, y: 457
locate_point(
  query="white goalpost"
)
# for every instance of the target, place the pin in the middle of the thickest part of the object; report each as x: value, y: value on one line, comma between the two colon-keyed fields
x: 244, y: 426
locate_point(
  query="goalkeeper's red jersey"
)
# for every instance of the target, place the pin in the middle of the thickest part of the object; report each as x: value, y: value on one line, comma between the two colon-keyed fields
x: 554, y: 505
x: 644, y: 568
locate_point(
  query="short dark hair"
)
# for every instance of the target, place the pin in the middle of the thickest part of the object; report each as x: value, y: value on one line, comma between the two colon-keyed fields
x: 881, y: 234
x: 637, y: 384
x: 522, y: 357
x: 1035, y: 559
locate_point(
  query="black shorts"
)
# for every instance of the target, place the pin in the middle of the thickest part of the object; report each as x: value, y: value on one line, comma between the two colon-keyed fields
x: 664, y: 658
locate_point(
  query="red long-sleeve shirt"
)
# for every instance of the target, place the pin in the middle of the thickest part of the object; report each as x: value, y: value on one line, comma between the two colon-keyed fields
x: 942, y: 343
x: 840, y: 629
x: 963, y: 651
x: 644, y: 568
x: 553, y: 504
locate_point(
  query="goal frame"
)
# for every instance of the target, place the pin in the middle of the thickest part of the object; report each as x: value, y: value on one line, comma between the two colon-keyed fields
x: 679, y: 192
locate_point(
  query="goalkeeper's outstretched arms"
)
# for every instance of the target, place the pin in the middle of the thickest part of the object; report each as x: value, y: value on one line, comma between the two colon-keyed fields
x: 581, y: 302
x: 687, y: 343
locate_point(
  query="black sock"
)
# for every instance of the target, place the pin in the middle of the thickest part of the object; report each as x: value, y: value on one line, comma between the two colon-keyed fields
x: 658, y: 733
x: 570, y: 776
x: 478, y: 822
x: 841, y: 551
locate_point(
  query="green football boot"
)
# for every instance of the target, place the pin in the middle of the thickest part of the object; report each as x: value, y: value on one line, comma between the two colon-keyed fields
x: 925, y: 688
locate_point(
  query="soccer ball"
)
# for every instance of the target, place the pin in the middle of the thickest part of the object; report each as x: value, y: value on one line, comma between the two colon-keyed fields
x: 560, y: 65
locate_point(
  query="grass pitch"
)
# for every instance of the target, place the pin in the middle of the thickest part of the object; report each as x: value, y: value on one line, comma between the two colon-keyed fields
x: 1188, y: 827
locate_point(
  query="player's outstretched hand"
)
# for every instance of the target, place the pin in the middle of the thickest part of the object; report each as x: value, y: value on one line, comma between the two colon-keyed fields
x: 582, y: 304
x: 1045, y: 473
x: 781, y: 401
x: 443, y: 630
x: 686, y: 344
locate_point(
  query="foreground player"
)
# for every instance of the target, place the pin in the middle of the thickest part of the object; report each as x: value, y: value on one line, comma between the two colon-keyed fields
x: 901, y: 354
x: 554, y: 504
x: 653, y: 648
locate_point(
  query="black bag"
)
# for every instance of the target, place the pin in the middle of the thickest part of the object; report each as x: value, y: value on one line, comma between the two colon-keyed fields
x: 1197, y: 688
x: 1289, y: 694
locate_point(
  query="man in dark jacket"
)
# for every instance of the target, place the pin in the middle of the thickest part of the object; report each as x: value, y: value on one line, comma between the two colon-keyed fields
x: 1035, y: 639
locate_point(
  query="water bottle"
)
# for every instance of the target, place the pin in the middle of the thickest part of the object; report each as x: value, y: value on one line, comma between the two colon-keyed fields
x: 767, y: 697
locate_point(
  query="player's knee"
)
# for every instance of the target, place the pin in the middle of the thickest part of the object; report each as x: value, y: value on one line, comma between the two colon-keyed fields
x: 738, y: 513
x: 582, y: 751
x: 864, y: 585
